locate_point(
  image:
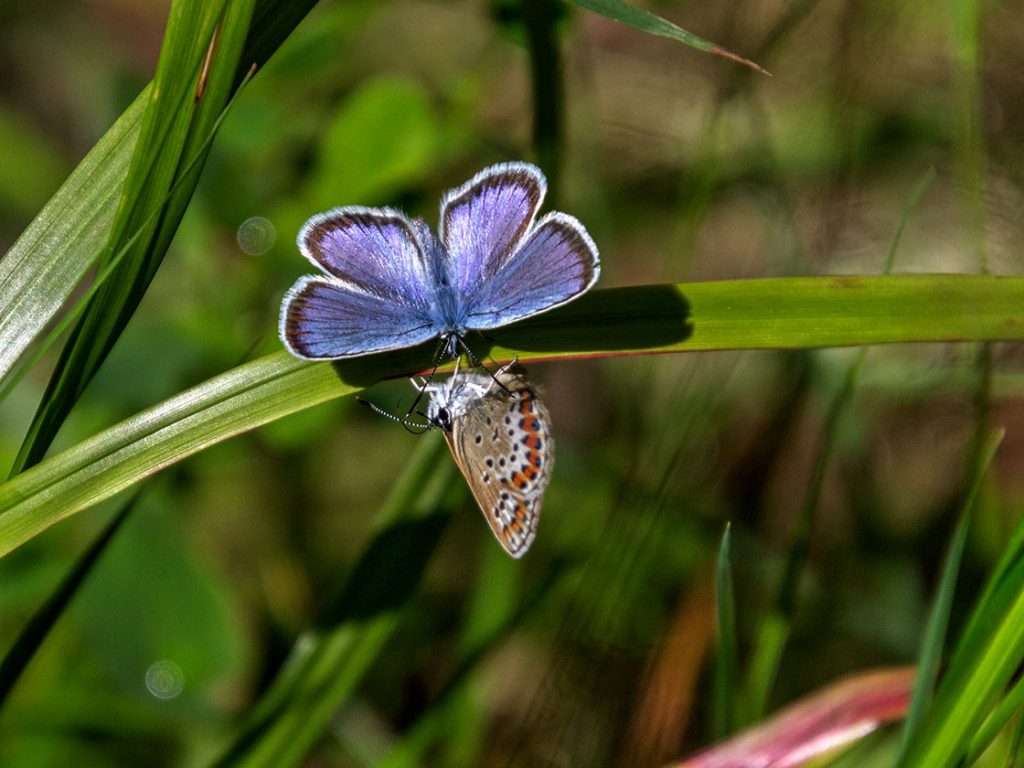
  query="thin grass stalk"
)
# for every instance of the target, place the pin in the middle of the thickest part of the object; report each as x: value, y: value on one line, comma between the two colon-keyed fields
x: 725, y: 706
x: 35, y: 631
x: 930, y: 658
x: 540, y: 18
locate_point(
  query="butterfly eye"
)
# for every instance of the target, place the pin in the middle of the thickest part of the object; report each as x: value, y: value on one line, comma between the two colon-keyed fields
x: 444, y: 419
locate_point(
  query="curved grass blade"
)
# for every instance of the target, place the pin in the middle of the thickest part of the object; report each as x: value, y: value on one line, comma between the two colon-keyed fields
x: 189, y: 92
x: 36, y: 629
x: 645, y: 21
x: 62, y: 243
x: 817, y: 725
x: 56, y: 251
x: 987, y: 656
x: 747, y: 314
x: 115, y: 459
x: 25, y: 364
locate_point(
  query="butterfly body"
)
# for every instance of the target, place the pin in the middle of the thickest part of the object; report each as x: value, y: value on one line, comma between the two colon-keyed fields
x: 388, y: 282
x: 498, y: 430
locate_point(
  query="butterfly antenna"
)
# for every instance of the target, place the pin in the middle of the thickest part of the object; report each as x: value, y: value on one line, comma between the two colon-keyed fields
x: 412, y: 426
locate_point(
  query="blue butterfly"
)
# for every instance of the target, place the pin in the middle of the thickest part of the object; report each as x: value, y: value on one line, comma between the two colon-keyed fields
x: 389, y: 283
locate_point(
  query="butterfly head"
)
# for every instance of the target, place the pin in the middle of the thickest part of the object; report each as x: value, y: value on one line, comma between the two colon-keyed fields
x: 449, y: 399
x: 442, y: 419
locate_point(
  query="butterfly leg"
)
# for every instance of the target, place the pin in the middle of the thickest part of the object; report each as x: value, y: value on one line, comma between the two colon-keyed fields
x: 443, y: 350
x: 475, y: 361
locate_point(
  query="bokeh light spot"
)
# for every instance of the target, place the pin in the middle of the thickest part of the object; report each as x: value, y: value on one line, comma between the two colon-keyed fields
x: 256, y: 235
x: 165, y: 679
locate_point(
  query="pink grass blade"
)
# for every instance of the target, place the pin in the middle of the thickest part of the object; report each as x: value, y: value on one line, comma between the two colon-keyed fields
x: 819, y: 724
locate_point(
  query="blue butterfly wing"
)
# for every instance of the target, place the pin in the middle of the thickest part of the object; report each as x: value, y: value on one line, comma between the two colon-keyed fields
x: 374, y: 249
x: 379, y: 293
x: 323, y: 318
x: 557, y: 263
x: 484, y: 221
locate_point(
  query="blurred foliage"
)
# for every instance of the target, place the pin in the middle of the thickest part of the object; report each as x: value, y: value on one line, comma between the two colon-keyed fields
x: 594, y: 649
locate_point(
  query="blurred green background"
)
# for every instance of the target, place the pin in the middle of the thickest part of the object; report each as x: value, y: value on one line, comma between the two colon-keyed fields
x: 683, y: 167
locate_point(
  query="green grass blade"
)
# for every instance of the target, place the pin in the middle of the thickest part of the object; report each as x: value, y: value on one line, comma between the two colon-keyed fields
x: 645, y: 21
x: 217, y: 82
x: 765, y: 659
x: 748, y: 314
x: 935, y: 634
x: 57, y: 331
x: 40, y: 271
x: 36, y: 629
x: 726, y: 671
x: 1014, y: 549
x: 1007, y: 708
x: 235, y: 402
x: 62, y: 243
x: 987, y: 656
x: 774, y: 313
x: 327, y: 665
x: 201, y: 46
